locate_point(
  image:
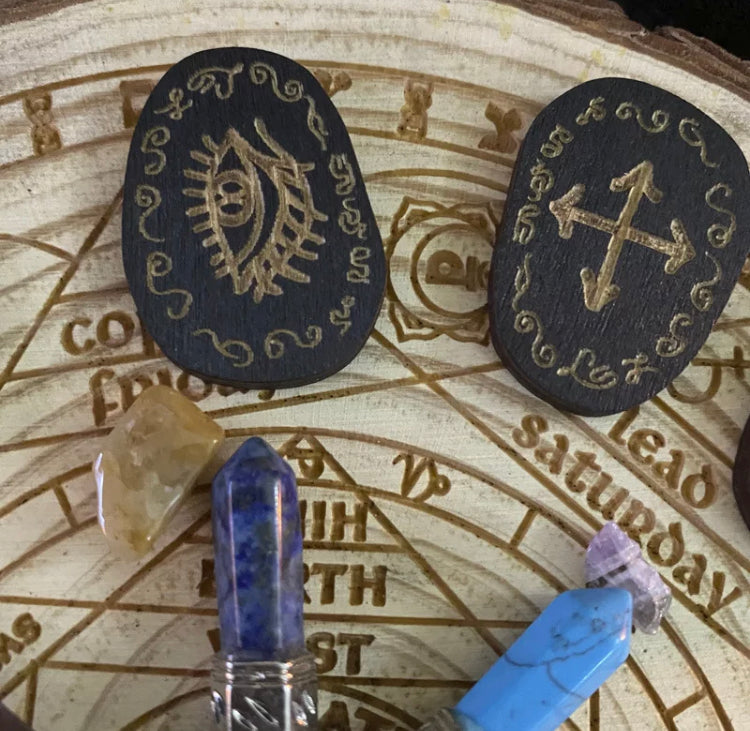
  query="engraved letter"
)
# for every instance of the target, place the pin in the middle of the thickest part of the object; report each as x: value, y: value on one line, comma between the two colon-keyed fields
x: 532, y: 426
x: 358, y: 583
x: 354, y: 643
x: 676, y: 546
x: 320, y: 645
x: 358, y: 521
x: 329, y: 572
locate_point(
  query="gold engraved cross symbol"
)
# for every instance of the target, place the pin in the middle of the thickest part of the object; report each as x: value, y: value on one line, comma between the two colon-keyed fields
x: 598, y: 290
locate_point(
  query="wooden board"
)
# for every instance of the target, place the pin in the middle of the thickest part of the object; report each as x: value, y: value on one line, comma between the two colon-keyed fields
x: 475, y: 526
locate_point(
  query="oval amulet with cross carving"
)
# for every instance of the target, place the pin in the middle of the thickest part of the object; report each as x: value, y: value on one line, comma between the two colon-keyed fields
x: 249, y: 243
x: 624, y: 231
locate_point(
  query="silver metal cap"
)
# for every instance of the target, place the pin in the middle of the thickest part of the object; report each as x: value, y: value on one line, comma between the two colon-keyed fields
x: 251, y: 695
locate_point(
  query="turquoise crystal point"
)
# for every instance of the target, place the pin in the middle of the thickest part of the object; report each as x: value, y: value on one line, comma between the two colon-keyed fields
x: 258, y: 554
x: 576, y: 643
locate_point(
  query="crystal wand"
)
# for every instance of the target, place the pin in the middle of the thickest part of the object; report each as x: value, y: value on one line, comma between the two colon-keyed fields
x: 263, y: 678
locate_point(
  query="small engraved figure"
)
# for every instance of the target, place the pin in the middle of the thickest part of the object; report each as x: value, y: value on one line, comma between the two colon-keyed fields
x: 333, y: 81
x: 506, y: 123
x: 134, y: 93
x: 413, y: 121
x: 45, y: 137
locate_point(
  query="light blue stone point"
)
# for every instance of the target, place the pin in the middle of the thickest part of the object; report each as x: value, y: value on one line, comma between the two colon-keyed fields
x: 574, y: 645
x: 258, y: 555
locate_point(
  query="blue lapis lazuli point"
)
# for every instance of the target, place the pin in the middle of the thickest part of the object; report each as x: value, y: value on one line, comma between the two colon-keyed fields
x: 258, y: 555
x: 574, y: 645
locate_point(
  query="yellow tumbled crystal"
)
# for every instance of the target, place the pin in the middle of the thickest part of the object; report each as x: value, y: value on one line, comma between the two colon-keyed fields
x: 148, y: 464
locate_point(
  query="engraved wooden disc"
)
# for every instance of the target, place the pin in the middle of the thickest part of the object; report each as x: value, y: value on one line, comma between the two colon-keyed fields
x: 624, y: 232
x: 249, y: 243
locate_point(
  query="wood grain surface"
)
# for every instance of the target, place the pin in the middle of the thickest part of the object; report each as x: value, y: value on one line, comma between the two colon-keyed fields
x: 444, y: 506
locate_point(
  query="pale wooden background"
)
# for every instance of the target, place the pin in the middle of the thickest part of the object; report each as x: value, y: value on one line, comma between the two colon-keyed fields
x: 126, y: 646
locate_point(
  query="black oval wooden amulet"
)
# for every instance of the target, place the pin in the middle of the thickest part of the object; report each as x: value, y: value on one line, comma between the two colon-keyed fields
x: 249, y: 243
x: 624, y: 232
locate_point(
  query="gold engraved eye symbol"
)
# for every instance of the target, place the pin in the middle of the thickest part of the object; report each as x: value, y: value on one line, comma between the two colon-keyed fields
x: 238, y: 194
x: 241, y: 185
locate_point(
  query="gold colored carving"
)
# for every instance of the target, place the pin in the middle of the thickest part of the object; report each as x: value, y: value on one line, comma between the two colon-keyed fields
x: 413, y: 115
x: 359, y: 271
x: 350, y: 220
x: 524, y: 229
x: 595, y: 111
x: 597, y: 377
x: 149, y: 198
x: 558, y: 138
x: 175, y: 107
x: 528, y: 321
x: 45, y: 136
x: 341, y: 169
x: 312, y: 465
x: 702, y: 396
x: 670, y: 346
x: 274, y: 346
x: 206, y: 79
x: 244, y: 358
x: 293, y: 91
x: 333, y: 81
x: 130, y: 90
x: 690, y: 133
x: 598, y: 290
x: 418, y: 224
x: 233, y: 197
x: 26, y: 631
x: 718, y: 234
x: 437, y: 484
x: 153, y: 139
x: 342, y: 318
x: 639, y: 367
x: 159, y: 264
x: 701, y: 294
x: 659, y: 118
x: 542, y: 180
x: 446, y: 267
x: 506, y: 123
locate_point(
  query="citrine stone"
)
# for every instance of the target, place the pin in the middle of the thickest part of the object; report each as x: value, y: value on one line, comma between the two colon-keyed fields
x: 148, y: 464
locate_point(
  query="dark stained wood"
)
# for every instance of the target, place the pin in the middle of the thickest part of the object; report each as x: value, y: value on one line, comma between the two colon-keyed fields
x: 10, y: 722
x: 249, y: 243
x: 623, y: 234
x: 741, y: 475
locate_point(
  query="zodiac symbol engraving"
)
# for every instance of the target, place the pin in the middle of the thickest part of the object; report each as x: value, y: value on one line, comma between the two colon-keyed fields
x: 598, y: 290
x: 506, y: 123
x: 413, y: 115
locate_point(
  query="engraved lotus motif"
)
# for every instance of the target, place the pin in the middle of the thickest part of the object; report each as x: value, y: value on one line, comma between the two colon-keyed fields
x: 258, y: 211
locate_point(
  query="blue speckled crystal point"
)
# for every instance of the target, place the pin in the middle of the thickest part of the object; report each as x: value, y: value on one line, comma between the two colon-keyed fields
x: 574, y: 645
x: 258, y: 555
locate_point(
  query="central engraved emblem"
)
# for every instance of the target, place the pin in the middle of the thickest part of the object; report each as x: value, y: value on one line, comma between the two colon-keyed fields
x: 598, y: 290
x: 241, y: 188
